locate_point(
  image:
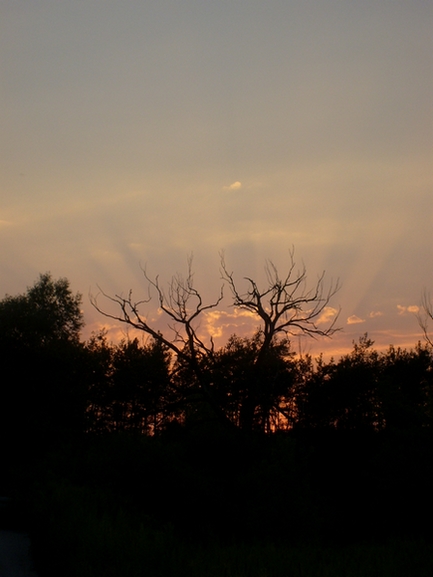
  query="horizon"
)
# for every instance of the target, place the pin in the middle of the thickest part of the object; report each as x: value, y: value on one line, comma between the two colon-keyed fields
x: 139, y: 134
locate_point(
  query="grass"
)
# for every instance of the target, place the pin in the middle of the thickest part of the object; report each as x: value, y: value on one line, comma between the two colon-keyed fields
x: 81, y: 533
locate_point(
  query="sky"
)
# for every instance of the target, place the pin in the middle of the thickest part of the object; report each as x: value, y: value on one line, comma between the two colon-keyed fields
x: 137, y: 133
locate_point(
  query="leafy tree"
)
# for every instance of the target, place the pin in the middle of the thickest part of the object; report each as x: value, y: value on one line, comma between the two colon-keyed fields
x: 40, y: 352
x: 367, y: 390
x: 48, y: 312
x: 344, y: 395
x: 355, y: 387
x: 255, y: 389
x: 142, y: 392
x: 129, y: 384
x: 313, y: 394
x: 98, y: 368
x: 406, y: 388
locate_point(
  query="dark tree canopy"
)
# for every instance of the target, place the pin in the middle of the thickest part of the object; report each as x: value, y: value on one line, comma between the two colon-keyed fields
x: 48, y: 312
x: 129, y: 385
x: 41, y: 396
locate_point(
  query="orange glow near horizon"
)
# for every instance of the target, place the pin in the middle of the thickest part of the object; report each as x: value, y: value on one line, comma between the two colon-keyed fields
x: 222, y: 128
x: 243, y: 324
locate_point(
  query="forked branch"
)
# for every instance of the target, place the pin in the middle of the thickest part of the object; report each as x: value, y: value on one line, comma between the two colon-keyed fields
x: 286, y: 305
x: 182, y: 303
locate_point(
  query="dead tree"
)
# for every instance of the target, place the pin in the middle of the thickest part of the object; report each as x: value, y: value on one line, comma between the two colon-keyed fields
x: 183, y: 305
x: 284, y: 307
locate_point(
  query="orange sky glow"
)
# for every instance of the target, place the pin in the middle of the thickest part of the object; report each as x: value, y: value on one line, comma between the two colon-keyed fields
x: 137, y: 134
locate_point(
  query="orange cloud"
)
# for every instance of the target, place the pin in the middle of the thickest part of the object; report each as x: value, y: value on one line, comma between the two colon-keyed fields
x: 374, y: 314
x: 223, y: 323
x: 234, y: 186
x: 354, y: 320
x: 328, y: 314
x: 410, y: 309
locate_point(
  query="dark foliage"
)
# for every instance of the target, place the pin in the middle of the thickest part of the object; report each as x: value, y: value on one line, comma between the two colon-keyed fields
x: 250, y: 445
x: 129, y: 386
x: 42, y: 397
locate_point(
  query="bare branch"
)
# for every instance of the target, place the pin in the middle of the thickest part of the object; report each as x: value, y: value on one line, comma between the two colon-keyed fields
x: 285, y: 305
x: 182, y: 303
x: 130, y: 315
x: 426, y: 316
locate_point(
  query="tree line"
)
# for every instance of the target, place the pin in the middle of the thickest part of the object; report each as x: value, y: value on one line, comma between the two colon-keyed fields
x: 56, y: 385
x: 133, y: 454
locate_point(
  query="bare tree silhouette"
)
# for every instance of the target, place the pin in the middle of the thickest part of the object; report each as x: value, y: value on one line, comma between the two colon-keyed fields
x: 285, y: 307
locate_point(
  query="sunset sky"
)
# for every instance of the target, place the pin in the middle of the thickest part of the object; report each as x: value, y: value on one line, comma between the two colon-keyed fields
x: 139, y: 132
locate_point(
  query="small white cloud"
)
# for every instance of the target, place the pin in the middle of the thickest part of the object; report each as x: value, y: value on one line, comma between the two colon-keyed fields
x: 354, y: 320
x: 234, y: 186
x: 410, y: 309
x: 375, y: 314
